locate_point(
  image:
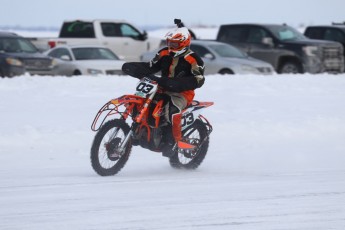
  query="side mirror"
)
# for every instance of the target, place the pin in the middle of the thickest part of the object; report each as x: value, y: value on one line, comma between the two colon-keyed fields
x: 209, y: 56
x: 144, y: 35
x: 122, y: 58
x: 268, y: 41
x: 65, y: 58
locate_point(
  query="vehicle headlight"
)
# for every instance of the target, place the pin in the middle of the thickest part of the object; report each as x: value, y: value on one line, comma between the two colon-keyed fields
x: 94, y: 71
x: 310, y: 50
x: 248, y: 68
x: 54, y: 62
x: 14, y: 61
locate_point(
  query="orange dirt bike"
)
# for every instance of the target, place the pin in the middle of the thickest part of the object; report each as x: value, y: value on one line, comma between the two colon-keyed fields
x: 140, y: 121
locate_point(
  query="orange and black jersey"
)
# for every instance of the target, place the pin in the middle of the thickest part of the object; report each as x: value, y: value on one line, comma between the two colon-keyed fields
x: 185, y: 65
x: 178, y: 73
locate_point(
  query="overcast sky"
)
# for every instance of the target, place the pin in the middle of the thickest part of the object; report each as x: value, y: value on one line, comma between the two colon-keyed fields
x: 49, y: 13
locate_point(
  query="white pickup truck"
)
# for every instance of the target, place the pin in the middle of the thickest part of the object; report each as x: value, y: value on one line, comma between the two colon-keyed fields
x: 122, y: 38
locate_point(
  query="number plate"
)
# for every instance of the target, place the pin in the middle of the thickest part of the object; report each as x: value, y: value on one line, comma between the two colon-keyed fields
x: 146, y: 87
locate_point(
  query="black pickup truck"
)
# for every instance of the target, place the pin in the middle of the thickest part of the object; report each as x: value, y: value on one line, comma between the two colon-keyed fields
x: 334, y: 32
x: 288, y: 50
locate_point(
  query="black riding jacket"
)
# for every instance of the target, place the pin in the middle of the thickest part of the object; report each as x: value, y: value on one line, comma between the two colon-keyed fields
x: 178, y: 73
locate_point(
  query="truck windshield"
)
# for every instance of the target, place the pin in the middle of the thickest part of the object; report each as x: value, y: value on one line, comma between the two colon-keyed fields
x: 93, y: 53
x: 77, y: 29
x: 284, y: 33
x: 16, y: 45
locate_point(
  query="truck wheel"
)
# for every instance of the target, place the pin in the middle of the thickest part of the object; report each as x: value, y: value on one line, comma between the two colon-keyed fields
x: 290, y: 67
x: 76, y: 72
x: 225, y: 71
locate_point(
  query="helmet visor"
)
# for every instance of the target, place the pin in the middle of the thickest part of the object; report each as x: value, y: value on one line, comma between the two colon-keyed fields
x: 173, y: 44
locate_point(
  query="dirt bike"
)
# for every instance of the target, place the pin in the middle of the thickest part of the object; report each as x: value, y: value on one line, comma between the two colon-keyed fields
x: 148, y: 128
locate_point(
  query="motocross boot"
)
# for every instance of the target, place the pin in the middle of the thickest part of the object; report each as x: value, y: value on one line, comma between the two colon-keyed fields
x: 169, y: 142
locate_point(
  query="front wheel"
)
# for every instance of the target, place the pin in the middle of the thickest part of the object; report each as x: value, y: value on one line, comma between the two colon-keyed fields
x: 290, y: 67
x: 191, y: 159
x: 106, y: 159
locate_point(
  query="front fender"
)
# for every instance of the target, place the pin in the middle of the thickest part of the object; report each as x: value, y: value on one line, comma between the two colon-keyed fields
x: 118, y: 106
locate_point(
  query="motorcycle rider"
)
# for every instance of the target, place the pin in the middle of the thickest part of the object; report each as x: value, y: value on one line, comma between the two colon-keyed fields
x: 182, y: 71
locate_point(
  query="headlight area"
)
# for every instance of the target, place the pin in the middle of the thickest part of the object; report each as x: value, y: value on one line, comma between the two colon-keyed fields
x: 14, y: 62
x: 94, y: 71
x: 312, y: 61
x: 249, y: 69
x: 12, y: 67
x: 310, y: 50
x: 53, y: 63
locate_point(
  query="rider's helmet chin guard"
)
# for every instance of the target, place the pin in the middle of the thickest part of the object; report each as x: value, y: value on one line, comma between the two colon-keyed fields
x: 178, y: 40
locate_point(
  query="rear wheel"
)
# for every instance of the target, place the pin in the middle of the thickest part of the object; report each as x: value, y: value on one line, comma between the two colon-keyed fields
x: 191, y: 159
x: 226, y: 71
x: 76, y: 73
x: 106, y: 159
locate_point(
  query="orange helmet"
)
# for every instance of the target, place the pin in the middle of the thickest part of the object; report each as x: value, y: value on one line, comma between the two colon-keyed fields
x: 178, y: 40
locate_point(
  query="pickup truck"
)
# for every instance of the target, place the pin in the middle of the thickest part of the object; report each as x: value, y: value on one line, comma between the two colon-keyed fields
x: 288, y: 50
x: 334, y: 32
x: 122, y: 38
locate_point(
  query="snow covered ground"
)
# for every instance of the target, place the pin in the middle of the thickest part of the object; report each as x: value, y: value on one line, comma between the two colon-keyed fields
x: 276, y: 158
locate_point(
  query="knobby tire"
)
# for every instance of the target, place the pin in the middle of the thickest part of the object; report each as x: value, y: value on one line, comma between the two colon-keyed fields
x: 96, y: 146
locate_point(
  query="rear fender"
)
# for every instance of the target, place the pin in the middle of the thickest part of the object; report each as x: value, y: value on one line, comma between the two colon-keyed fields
x: 192, y: 113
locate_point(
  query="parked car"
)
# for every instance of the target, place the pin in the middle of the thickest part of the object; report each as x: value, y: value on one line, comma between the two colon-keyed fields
x: 85, y: 60
x: 18, y: 56
x: 224, y: 59
x: 288, y: 50
x: 334, y: 32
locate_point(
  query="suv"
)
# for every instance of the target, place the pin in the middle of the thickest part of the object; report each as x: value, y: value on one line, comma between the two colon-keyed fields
x: 288, y: 50
x: 334, y: 32
x: 18, y: 55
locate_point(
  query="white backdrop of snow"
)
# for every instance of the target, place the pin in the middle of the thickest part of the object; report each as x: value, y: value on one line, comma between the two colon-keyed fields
x: 276, y: 158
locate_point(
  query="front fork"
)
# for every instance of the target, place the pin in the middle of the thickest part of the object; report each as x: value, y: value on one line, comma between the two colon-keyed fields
x: 137, y: 120
x: 123, y: 145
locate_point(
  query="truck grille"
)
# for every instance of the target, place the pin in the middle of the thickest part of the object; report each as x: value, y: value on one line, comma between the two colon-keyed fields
x: 37, y: 64
x: 331, y: 52
x: 333, y: 59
